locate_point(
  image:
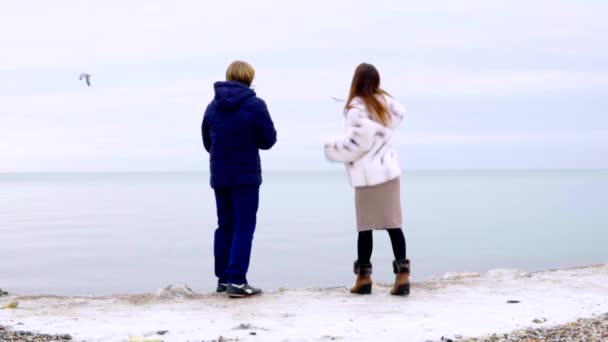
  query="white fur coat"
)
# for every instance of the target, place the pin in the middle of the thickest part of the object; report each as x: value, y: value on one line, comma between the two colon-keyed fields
x: 366, y: 148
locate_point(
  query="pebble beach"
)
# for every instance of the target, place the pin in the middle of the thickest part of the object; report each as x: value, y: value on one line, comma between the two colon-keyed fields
x: 9, y: 335
x: 588, y: 330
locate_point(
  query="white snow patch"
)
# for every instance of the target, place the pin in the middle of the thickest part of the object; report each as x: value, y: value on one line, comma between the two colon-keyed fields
x: 460, y: 275
x: 176, y: 291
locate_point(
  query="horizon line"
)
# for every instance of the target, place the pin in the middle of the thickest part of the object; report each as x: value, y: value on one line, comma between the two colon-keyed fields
x: 308, y: 170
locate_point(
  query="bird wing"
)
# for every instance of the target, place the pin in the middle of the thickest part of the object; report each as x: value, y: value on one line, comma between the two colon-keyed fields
x: 88, y: 80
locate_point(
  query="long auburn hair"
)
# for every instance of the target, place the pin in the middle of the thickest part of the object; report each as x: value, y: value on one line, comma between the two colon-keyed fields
x: 366, y: 85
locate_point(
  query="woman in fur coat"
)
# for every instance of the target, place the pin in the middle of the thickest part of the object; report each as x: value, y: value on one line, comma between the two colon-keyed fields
x: 372, y: 165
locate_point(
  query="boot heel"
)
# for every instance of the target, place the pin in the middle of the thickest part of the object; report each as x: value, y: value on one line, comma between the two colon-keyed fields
x: 365, y: 289
x: 403, y: 290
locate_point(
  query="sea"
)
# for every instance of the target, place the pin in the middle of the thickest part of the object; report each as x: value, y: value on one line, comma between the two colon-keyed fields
x: 125, y: 233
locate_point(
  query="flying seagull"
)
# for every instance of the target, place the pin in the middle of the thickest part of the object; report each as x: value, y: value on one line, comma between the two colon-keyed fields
x: 337, y: 99
x: 86, y: 77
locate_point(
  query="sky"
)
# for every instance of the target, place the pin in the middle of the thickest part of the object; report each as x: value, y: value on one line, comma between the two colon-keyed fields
x: 487, y: 84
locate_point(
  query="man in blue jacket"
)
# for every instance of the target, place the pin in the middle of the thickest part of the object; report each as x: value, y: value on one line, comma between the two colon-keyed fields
x: 235, y: 127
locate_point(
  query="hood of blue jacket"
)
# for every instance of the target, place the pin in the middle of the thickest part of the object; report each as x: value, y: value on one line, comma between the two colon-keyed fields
x: 230, y: 95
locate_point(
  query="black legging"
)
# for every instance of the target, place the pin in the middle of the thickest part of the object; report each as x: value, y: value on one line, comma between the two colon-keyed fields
x: 365, y: 244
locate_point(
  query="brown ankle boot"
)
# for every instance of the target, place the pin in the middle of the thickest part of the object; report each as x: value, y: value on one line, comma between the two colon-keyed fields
x: 402, y: 279
x: 363, y: 284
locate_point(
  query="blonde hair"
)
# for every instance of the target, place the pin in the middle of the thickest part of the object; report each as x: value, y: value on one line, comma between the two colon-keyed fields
x: 240, y: 71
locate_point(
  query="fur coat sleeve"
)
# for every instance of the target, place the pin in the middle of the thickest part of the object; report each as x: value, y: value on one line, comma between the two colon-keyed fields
x: 361, y: 131
x: 357, y: 140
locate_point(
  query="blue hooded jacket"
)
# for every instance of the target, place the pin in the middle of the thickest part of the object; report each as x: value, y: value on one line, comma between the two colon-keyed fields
x: 235, y: 127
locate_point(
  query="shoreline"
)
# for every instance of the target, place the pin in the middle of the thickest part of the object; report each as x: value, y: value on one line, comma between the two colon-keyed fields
x: 458, y: 306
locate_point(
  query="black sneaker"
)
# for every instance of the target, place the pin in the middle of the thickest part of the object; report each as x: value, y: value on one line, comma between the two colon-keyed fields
x: 243, y: 290
x: 221, y: 288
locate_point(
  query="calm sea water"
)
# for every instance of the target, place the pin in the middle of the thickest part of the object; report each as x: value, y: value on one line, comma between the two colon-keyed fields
x: 131, y: 233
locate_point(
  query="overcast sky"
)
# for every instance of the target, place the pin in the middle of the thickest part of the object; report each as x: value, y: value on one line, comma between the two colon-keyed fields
x: 487, y: 84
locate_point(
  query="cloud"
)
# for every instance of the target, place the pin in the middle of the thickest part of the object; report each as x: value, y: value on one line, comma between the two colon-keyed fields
x: 70, y: 32
x: 436, y: 82
x: 515, y: 138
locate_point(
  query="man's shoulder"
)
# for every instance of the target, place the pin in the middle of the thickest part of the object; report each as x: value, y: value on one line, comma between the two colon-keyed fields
x: 255, y: 102
x: 211, y: 108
